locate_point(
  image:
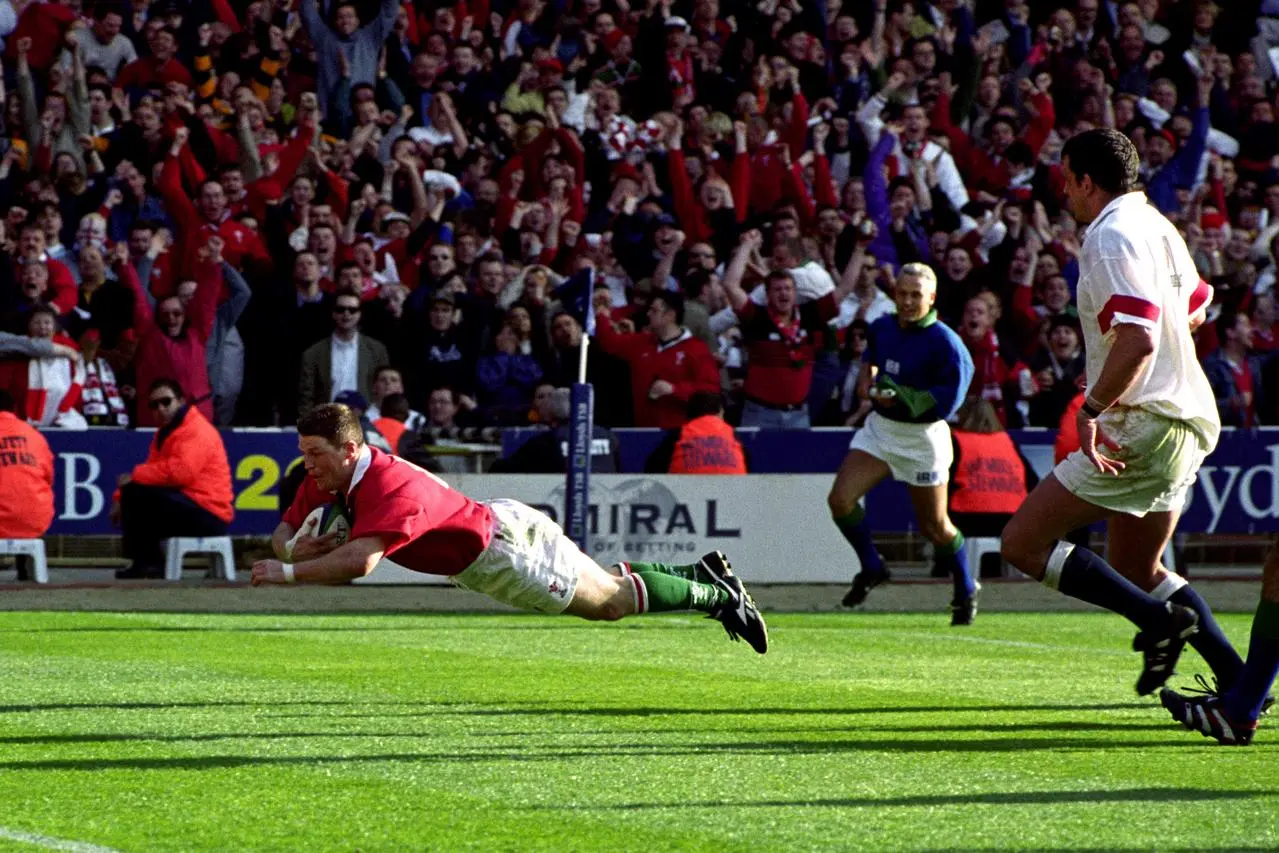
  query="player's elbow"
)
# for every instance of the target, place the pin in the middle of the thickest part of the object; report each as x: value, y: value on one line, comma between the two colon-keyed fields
x: 366, y: 564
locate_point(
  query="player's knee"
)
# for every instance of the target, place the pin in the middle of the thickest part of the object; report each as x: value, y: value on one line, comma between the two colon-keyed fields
x: 839, y: 503
x: 609, y: 611
x: 1015, y: 549
x: 936, y: 531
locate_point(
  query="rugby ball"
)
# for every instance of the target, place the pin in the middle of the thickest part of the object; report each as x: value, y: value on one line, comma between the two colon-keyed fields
x: 322, y: 520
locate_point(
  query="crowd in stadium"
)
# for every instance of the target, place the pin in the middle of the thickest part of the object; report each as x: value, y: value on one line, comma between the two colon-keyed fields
x: 270, y: 201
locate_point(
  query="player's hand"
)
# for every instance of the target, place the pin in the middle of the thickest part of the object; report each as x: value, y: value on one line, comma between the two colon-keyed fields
x: 1091, y: 439
x: 310, y: 547
x: 267, y: 571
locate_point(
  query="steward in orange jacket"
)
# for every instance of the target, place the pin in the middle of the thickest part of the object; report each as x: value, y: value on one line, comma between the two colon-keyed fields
x: 704, y: 445
x: 183, y: 489
x: 989, y: 477
x: 26, y: 472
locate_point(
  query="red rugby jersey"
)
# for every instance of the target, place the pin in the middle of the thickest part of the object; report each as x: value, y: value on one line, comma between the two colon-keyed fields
x: 428, y: 526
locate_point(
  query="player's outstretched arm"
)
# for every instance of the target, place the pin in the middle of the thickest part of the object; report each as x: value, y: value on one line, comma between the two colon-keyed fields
x: 353, y: 560
x: 280, y: 540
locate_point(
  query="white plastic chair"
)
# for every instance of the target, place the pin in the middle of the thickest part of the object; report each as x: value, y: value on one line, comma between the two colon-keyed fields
x: 28, y: 549
x: 221, y: 557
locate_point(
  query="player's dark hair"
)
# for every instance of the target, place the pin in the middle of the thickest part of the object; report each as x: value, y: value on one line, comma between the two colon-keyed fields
x: 395, y: 406
x: 674, y: 301
x: 6, y: 401
x: 1106, y: 156
x: 704, y: 403
x: 164, y: 382
x: 334, y: 422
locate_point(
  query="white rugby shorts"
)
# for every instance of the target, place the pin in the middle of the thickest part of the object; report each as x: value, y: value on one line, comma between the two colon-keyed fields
x: 529, y: 563
x: 917, y: 454
x: 1161, y: 458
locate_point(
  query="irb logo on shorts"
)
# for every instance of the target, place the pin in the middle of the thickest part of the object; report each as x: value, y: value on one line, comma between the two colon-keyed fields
x: 926, y: 478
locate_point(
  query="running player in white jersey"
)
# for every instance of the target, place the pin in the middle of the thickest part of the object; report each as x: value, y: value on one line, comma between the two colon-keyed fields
x: 1147, y: 423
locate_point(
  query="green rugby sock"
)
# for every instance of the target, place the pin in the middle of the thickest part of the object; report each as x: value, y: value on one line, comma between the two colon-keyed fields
x: 688, y: 573
x: 659, y: 593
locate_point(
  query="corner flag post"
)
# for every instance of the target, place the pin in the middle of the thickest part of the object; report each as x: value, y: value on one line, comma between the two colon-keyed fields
x: 581, y: 425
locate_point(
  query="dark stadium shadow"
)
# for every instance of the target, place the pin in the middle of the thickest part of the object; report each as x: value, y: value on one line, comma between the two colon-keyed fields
x: 195, y: 629
x: 998, y: 798
x: 570, y: 711
x: 559, y: 753
x: 422, y: 706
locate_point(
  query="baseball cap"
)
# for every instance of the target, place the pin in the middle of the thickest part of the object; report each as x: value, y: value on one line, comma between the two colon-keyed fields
x: 676, y: 22
x: 354, y: 399
x: 444, y: 296
x: 396, y: 216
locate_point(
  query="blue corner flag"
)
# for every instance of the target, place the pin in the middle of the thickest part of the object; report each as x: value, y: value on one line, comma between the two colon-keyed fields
x: 575, y: 295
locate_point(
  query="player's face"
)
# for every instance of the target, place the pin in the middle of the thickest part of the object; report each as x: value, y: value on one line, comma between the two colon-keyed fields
x: 1077, y: 191
x: 914, y: 298
x: 327, y: 464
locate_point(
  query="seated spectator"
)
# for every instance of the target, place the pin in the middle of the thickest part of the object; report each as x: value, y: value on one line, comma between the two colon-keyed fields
x: 705, y: 444
x: 345, y: 361
x: 547, y: 452
x: 26, y: 468
x: 182, y: 489
x: 392, y: 420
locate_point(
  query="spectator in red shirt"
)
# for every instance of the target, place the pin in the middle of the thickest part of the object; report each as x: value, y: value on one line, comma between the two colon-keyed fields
x: 668, y: 364
x: 197, y: 225
x: 161, y: 67
x: 782, y: 339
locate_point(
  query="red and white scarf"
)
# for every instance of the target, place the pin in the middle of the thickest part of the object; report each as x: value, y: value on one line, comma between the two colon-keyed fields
x: 54, y: 386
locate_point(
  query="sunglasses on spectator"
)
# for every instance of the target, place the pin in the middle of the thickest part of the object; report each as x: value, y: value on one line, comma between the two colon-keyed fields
x: 346, y: 309
x: 161, y: 403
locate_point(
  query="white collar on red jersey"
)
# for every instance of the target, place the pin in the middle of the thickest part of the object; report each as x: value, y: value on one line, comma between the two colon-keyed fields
x: 361, y: 466
x: 684, y: 334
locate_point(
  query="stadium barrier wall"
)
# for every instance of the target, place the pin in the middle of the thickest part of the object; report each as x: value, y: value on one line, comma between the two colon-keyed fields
x: 1237, y: 491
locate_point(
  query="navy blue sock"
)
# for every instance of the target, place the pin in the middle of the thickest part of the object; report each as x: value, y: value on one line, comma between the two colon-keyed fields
x: 954, y: 558
x: 1244, y: 700
x: 856, y: 531
x: 1209, y: 640
x: 1088, y: 577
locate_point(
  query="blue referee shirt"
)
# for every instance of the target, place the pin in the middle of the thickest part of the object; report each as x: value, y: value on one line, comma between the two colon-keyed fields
x: 924, y: 356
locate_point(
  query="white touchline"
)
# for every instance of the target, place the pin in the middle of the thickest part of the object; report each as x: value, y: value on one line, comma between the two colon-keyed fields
x: 52, y: 843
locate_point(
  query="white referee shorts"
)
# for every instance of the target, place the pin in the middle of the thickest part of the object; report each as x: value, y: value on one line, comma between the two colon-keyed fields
x: 529, y: 563
x: 917, y: 454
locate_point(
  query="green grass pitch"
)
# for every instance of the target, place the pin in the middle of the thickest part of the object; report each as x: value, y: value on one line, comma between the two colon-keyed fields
x: 860, y: 732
